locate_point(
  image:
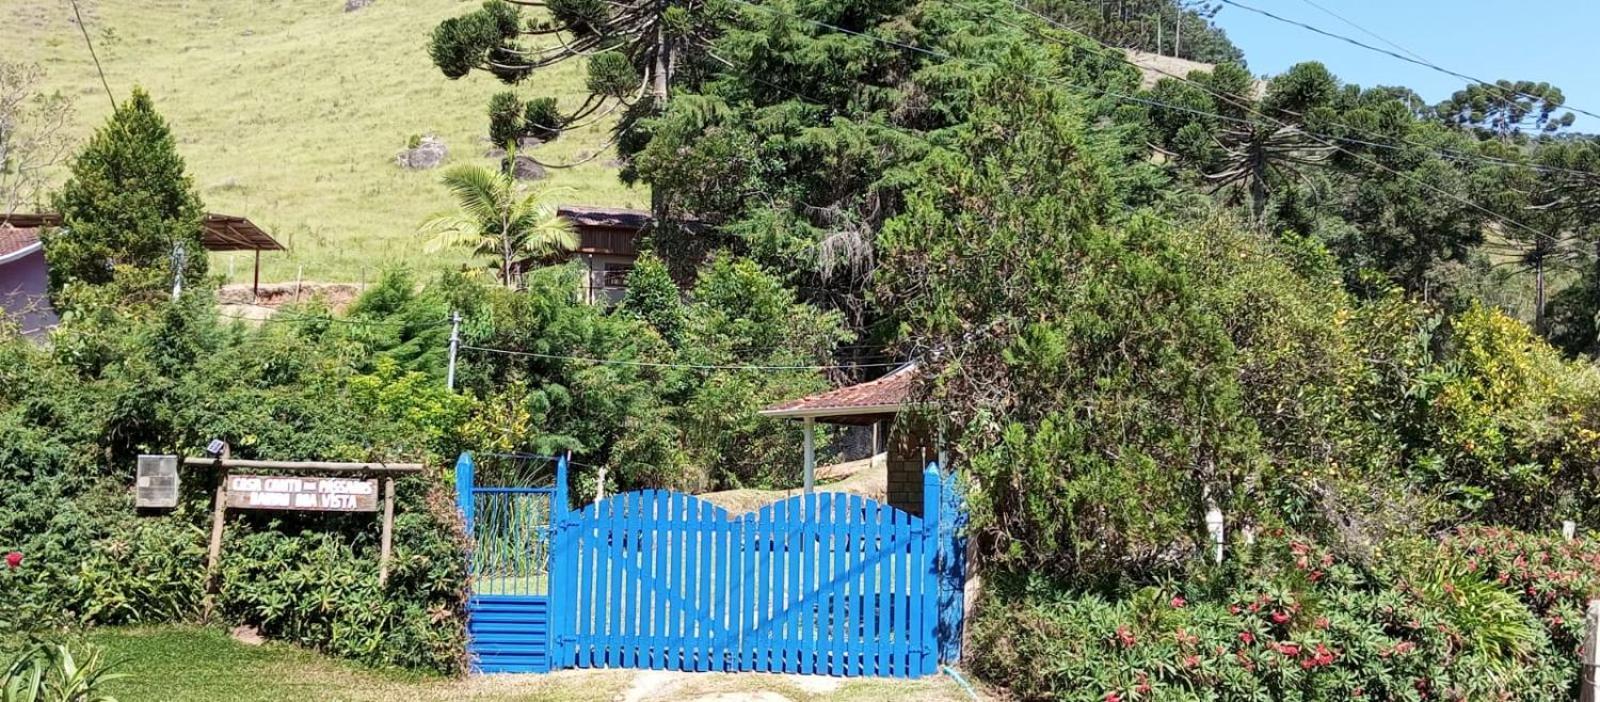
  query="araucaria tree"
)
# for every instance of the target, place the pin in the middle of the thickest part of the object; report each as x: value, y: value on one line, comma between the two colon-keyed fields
x: 130, y: 214
x: 632, y: 50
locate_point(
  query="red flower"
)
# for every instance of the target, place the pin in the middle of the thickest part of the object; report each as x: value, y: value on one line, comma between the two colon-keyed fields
x: 1280, y: 617
x: 13, y: 559
x: 1322, y: 622
x: 1247, y: 637
x: 1113, y: 697
x: 1178, y: 602
x: 1191, y: 661
x: 1126, y: 637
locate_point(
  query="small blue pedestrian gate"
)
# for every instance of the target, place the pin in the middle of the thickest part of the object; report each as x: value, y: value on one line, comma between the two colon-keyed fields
x: 823, y: 583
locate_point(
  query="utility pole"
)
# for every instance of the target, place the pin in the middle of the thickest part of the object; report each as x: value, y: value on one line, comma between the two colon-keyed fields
x: 455, y: 343
x: 179, y: 258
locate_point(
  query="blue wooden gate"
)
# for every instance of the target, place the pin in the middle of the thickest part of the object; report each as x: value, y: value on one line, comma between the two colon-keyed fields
x: 824, y: 583
x: 511, y: 525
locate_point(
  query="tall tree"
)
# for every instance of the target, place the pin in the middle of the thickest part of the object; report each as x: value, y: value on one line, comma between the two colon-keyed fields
x: 633, y: 53
x: 1507, y: 108
x: 1256, y: 156
x: 33, y: 135
x: 497, y: 219
x: 130, y: 214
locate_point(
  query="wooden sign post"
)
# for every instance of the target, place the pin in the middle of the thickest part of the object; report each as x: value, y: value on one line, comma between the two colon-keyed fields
x: 351, y: 491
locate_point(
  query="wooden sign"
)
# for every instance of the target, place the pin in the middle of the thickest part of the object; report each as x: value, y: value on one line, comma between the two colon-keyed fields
x: 297, y: 493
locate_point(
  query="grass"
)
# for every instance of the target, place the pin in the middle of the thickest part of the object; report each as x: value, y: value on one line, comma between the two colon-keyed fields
x: 290, y: 112
x: 193, y: 664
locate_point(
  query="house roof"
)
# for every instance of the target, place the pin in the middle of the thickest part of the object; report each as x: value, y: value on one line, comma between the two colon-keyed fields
x: 219, y: 232
x: 16, y: 242
x: 610, y: 217
x: 862, y: 403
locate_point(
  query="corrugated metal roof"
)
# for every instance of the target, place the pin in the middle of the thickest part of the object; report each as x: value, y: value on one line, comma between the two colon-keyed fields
x: 220, y: 232
x: 615, y: 217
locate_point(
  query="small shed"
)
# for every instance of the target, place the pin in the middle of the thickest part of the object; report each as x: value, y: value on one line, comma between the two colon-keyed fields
x: 218, y: 233
x: 24, y: 275
x: 24, y: 279
x: 608, y: 245
x: 911, y: 444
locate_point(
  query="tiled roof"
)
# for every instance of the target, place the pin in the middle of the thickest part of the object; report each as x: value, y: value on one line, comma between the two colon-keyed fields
x: 885, y: 395
x: 605, y: 217
x: 15, y: 239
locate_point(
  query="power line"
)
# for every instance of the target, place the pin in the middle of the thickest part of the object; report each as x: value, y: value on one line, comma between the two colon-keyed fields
x: 1321, y: 139
x: 692, y: 366
x: 85, y: 30
x: 291, y: 317
x: 1447, y: 153
x: 1425, y: 64
x: 1114, y: 94
x: 1364, y: 30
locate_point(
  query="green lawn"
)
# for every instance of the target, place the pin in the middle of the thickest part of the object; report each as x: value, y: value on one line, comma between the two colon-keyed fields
x: 289, y: 112
x: 192, y: 664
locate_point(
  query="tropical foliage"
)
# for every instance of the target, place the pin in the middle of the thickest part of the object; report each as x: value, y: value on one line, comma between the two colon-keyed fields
x: 499, y: 220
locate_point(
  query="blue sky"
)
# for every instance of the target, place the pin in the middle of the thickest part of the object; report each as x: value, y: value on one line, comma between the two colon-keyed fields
x: 1553, y: 42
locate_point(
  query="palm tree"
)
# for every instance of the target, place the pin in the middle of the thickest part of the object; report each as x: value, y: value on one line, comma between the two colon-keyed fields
x: 497, y: 218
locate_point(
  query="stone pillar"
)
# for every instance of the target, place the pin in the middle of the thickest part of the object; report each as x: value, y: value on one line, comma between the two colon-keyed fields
x: 911, y: 448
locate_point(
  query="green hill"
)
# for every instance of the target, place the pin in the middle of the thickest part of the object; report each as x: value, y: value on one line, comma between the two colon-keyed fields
x: 290, y: 112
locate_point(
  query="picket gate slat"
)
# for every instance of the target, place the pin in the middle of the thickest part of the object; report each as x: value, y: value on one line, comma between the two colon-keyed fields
x: 806, y: 618
x: 693, y: 575
x: 902, y: 599
x: 872, y: 552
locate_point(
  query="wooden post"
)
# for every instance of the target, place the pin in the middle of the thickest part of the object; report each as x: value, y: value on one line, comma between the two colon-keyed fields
x: 219, y: 514
x: 811, y: 456
x: 388, y: 531
x: 1590, y: 653
x: 299, y: 272
x: 255, y: 288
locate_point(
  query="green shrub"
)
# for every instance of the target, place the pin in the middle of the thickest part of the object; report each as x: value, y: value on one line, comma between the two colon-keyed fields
x: 1285, y: 621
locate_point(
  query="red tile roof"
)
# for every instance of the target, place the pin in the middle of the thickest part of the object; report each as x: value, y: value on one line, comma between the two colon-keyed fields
x: 15, y: 239
x: 886, y: 395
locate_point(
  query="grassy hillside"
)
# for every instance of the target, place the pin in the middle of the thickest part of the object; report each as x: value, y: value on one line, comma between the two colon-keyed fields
x: 290, y: 112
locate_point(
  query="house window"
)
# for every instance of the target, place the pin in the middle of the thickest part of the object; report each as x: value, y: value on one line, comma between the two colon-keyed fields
x: 616, y: 275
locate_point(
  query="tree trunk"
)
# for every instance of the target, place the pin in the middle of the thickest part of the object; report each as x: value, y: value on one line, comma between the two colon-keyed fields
x: 506, y: 255
x: 658, y: 204
x: 1258, y: 200
x: 1538, y: 296
x: 1177, y: 35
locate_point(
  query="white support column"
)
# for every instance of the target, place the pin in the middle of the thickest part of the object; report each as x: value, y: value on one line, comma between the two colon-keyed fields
x: 811, y: 456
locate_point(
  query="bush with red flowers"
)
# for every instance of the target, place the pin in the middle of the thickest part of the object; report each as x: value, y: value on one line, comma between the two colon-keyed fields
x: 1294, y: 623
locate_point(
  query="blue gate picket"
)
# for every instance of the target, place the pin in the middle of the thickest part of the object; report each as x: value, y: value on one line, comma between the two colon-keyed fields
x: 822, y: 583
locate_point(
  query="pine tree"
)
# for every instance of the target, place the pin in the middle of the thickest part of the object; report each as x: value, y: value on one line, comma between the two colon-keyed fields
x: 129, y: 213
x: 654, y: 298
